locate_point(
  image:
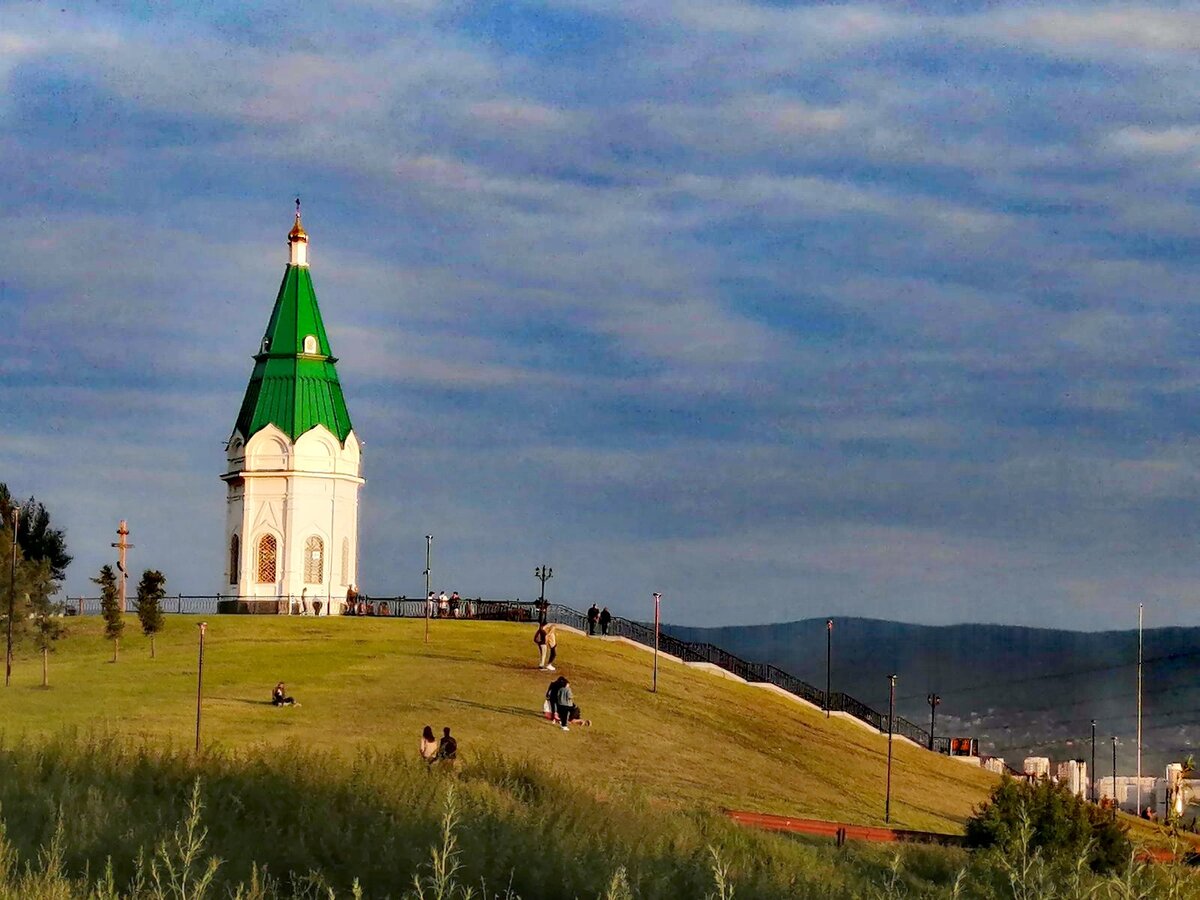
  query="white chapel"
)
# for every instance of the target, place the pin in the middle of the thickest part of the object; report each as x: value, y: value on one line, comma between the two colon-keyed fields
x: 293, y: 461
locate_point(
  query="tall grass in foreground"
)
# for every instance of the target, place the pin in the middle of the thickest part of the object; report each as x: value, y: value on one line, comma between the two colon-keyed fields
x: 92, y: 818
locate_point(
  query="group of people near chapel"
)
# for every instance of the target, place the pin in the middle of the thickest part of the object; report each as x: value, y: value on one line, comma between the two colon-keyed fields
x: 439, y: 606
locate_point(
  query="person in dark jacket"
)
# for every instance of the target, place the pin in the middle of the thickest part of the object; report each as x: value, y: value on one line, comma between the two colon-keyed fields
x: 605, y: 618
x: 447, y: 747
x: 564, y: 700
x: 552, y: 697
x: 593, y: 615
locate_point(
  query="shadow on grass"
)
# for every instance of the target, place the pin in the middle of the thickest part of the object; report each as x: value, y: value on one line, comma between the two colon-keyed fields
x: 522, y: 712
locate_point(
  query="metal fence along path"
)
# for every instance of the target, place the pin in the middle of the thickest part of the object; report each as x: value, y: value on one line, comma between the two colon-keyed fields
x: 470, y: 609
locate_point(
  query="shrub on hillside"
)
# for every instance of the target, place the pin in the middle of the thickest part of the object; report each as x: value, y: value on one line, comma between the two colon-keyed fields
x: 1060, y: 824
x: 150, y: 593
x: 110, y: 607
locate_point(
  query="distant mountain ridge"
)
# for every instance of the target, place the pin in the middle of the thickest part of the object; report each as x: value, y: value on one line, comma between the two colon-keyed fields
x: 1022, y: 691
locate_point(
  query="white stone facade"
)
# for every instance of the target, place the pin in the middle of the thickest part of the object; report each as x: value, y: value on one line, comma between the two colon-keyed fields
x: 301, y: 500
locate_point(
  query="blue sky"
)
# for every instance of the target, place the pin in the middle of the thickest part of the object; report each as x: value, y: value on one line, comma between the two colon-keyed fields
x: 783, y: 310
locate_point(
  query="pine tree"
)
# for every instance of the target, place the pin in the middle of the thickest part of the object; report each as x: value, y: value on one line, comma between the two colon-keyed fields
x: 150, y: 593
x: 110, y: 608
x: 35, y: 537
x: 46, y: 615
x: 34, y: 586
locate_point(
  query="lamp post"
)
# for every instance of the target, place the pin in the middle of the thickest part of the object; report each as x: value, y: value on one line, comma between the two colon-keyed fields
x: 654, y: 683
x: 887, y: 806
x: 1114, y: 783
x: 428, y: 549
x: 203, y: 626
x: 12, y: 595
x: 828, y: 664
x: 542, y: 574
x: 1092, y: 792
x: 934, y: 700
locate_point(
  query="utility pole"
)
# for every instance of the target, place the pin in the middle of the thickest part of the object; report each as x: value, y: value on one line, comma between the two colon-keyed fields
x: 887, y: 807
x: 428, y: 571
x: 12, y: 596
x: 1139, y: 713
x: 934, y: 700
x: 1116, y: 805
x: 543, y: 574
x: 828, y: 665
x: 654, y: 684
x: 122, y: 545
x: 1093, y: 772
x: 203, y: 626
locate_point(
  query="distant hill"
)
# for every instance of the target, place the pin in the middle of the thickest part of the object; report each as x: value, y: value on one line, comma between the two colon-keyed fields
x: 1021, y: 691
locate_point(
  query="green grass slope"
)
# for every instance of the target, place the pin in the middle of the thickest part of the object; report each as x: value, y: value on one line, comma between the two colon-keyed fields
x: 368, y: 686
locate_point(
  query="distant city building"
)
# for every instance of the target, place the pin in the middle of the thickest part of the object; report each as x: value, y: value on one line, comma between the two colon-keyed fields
x: 1036, y: 766
x: 1126, y: 793
x: 1073, y: 774
x: 995, y: 764
x: 293, y: 461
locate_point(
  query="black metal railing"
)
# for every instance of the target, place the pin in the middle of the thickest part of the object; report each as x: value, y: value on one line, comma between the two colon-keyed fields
x: 802, y: 689
x: 914, y: 733
x: 840, y: 702
x: 517, y: 611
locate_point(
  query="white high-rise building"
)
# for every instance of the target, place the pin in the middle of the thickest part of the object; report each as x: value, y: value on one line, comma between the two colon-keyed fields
x: 1037, y: 766
x: 293, y: 461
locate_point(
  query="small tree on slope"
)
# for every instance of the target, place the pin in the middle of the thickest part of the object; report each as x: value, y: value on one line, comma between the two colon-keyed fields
x: 47, y: 625
x: 110, y: 608
x: 150, y: 593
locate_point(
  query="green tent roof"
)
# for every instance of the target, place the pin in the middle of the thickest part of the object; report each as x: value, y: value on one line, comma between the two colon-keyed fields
x: 290, y: 389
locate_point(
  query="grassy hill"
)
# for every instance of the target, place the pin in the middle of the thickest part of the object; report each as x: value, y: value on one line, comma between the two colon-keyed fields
x: 1021, y: 691
x: 371, y: 685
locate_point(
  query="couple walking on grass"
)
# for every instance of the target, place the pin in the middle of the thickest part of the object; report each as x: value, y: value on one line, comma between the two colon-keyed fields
x: 546, y: 638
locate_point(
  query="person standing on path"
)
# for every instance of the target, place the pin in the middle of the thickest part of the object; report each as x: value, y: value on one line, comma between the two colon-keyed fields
x: 605, y: 618
x: 564, y: 701
x: 551, y: 645
x: 539, y: 638
x: 593, y: 615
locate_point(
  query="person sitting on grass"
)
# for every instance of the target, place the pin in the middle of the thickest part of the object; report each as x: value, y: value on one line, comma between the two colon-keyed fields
x: 447, y: 748
x: 279, y: 696
x: 429, y: 745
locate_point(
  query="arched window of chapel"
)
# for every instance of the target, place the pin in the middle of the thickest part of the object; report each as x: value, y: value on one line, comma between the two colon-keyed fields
x: 235, y: 558
x: 345, y: 560
x: 268, y: 550
x: 314, y: 560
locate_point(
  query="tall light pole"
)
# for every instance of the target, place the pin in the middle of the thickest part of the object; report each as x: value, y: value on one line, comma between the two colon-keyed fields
x: 1114, y: 789
x: 934, y: 700
x: 1093, y: 773
x: 543, y: 574
x: 428, y: 571
x: 12, y: 596
x: 654, y: 683
x: 1139, y: 713
x: 828, y: 664
x: 887, y: 807
x: 203, y: 626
